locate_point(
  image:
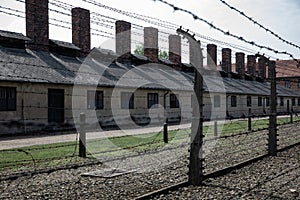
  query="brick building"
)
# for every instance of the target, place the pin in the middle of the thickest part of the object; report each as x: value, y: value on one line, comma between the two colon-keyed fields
x: 288, y: 74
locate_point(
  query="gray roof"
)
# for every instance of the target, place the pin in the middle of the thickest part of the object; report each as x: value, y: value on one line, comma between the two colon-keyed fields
x: 106, y: 51
x: 65, y: 44
x: 165, y: 61
x: 8, y: 34
x: 239, y: 86
x: 19, y: 65
x: 141, y: 57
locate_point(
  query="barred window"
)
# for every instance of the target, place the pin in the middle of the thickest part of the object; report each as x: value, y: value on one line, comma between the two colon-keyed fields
x: 259, y: 101
x: 127, y: 100
x: 249, y: 101
x: 8, y: 99
x: 293, y: 101
x: 281, y: 101
x: 174, y: 103
x: 152, y: 100
x: 233, y: 101
x: 95, y: 100
x: 267, y: 101
x: 288, y: 84
x: 217, y: 101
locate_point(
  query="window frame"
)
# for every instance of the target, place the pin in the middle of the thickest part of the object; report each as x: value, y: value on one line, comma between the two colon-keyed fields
x: 152, y: 103
x: 249, y: 101
x: 267, y: 101
x: 287, y: 83
x: 293, y: 101
x: 9, y: 100
x: 259, y: 101
x: 281, y: 101
x: 174, y: 102
x: 233, y: 101
x: 95, y: 100
x: 128, y: 102
x: 217, y: 101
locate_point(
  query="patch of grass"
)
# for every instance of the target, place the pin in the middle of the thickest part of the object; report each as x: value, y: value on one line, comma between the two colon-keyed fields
x: 22, y: 156
x: 136, y: 142
x: 57, y: 153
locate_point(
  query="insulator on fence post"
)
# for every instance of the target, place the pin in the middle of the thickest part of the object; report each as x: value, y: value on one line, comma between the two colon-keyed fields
x: 216, y: 128
x: 82, y: 137
x: 166, y: 139
x: 249, y: 120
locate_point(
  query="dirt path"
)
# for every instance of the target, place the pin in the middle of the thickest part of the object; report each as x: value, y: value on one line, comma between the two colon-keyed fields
x: 23, y: 141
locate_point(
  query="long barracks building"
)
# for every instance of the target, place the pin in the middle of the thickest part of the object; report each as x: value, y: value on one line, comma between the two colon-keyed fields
x: 45, y: 84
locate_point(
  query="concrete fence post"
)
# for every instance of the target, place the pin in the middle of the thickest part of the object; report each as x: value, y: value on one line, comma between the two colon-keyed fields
x: 82, y: 137
x: 216, y: 128
x: 249, y: 120
x: 291, y: 117
x: 272, y: 140
x: 166, y: 140
x: 195, y: 174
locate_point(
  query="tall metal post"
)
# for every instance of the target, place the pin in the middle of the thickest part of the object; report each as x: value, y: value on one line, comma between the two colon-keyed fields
x: 272, y: 143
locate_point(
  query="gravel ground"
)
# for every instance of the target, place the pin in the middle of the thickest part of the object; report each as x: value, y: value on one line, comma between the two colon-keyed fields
x: 270, y: 178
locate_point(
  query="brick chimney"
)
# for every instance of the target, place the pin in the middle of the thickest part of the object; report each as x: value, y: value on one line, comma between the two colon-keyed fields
x: 37, y: 24
x: 212, y: 56
x: 262, y: 68
x: 195, y: 52
x: 81, y: 35
x: 251, y: 65
x: 226, y: 60
x: 240, y: 64
x: 123, y: 38
x: 175, y: 49
x: 151, y: 43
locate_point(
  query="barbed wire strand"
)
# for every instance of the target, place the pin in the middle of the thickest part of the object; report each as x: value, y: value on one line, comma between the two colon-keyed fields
x: 101, y: 24
x: 138, y: 26
x: 259, y: 24
x: 173, y: 28
x: 196, y: 17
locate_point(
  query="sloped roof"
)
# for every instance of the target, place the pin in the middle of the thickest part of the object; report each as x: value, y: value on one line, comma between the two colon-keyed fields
x: 8, y: 34
x: 19, y: 65
x: 64, y: 44
x: 239, y: 86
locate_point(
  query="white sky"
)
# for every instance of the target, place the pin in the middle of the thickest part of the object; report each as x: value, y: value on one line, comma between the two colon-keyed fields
x: 280, y: 16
